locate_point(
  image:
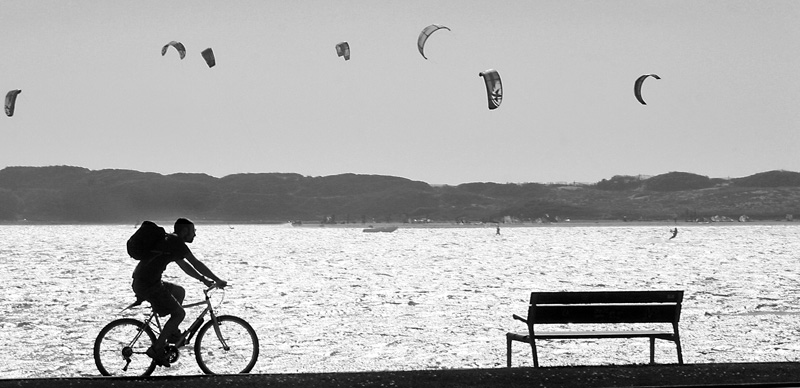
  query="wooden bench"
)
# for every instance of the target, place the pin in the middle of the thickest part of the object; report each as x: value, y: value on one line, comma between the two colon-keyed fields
x: 601, y: 307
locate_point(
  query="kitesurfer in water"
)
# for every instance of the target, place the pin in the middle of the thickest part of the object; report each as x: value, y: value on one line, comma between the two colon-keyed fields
x: 674, y: 233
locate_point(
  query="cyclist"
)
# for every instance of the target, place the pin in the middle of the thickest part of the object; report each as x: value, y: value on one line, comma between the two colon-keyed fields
x: 166, y: 298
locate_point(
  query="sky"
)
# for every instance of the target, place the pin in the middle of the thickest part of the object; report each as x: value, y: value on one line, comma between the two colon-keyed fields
x: 97, y: 93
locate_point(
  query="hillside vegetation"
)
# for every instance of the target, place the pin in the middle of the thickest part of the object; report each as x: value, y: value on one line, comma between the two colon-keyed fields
x: 73, y: 194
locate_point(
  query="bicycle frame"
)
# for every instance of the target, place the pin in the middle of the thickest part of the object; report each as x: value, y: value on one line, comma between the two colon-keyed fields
x: 190, y: 332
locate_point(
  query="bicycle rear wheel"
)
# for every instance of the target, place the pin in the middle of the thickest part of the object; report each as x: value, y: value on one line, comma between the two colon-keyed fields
x: 234, y: 350
x: 119, y: 349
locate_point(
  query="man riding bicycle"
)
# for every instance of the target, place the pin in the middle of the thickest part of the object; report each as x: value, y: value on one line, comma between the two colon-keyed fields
x: 166, y: 298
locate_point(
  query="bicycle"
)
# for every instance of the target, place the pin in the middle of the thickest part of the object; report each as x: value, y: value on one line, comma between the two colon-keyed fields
x: 120, y: 347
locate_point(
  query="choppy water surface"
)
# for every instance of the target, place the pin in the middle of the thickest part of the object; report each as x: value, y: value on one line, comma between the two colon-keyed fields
x: 337, y: 299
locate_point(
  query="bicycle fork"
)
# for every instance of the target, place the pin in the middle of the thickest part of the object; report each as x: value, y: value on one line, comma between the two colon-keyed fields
x: 215, y: 322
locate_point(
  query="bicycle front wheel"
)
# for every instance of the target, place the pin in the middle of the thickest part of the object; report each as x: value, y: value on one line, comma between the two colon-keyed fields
x: 119, y: 349
x: 234, y: 349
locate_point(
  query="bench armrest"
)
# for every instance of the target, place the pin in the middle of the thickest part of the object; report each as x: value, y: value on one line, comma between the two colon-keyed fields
x: 517, y: 317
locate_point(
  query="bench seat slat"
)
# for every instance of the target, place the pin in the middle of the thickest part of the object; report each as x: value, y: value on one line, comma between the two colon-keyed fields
x: 594, y: 334
x: 579, y: 297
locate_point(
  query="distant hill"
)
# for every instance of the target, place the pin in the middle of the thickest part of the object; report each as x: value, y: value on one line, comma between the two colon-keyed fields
x: 67, y: 194
x: 678, y: 181
x: 770, y: 179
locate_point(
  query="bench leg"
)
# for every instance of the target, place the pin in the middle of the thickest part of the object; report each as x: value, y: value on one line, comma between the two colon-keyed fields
x: 677, y: 339
x: 508, y: 351
x: 652, y: 350
x: 533, y: 350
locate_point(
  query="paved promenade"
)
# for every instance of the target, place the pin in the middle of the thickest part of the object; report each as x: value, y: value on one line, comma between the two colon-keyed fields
x: 689, y: 375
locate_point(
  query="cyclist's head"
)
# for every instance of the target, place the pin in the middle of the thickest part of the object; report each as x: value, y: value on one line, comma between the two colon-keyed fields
x: 185, y: 229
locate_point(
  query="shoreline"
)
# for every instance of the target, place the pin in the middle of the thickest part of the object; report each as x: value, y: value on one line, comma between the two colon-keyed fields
x: 777, y: 374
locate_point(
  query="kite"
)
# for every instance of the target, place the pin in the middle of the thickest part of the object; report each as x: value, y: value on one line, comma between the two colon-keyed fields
x: 11, y: 101
x: 423, y: 36
x: 494, y: 88
x: 178, y: 46
x: 637, y: 86
x: 343, y: 50
x: 208, y: 55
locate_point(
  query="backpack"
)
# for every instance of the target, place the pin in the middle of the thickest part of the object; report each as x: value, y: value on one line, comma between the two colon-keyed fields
x: 144, y: 240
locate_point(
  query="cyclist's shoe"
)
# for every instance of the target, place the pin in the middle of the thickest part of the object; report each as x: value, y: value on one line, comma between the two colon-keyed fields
x: 159, y: 355
x: 175, y: 337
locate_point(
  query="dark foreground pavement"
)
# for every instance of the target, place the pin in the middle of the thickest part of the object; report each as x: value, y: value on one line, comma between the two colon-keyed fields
x: 689, y: 375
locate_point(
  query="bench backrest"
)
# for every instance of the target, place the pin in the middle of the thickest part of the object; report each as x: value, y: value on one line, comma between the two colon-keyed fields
x: 605, y: 307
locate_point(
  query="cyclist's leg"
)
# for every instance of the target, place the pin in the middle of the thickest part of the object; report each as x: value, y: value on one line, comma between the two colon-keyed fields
x: 178, y: 292
x: 176, y: 316
x: 164, y: 303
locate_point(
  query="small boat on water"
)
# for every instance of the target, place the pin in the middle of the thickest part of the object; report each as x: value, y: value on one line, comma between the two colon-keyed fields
x: 385, y: 229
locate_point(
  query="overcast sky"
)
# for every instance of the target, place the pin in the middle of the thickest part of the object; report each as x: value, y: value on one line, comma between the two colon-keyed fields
x: 97, y: 93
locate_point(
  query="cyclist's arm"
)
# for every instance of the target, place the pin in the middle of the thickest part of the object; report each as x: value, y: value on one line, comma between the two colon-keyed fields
x: 198, y: 266
x: 186, y: 267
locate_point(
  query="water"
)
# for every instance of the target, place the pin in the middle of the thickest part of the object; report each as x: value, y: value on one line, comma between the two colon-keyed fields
x: 337, y: 299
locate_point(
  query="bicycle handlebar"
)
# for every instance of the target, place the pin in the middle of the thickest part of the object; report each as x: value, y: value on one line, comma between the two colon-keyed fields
x: 213, y: 286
